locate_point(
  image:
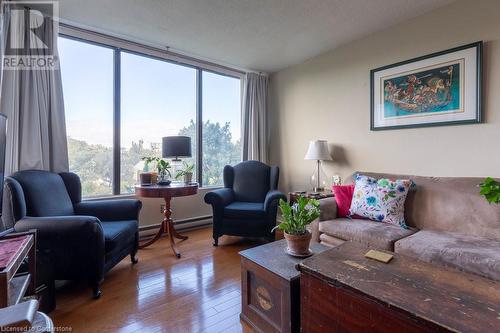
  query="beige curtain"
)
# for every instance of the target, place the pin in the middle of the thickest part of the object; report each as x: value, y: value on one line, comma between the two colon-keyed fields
x: 32, y: 99
x: 254, y: 117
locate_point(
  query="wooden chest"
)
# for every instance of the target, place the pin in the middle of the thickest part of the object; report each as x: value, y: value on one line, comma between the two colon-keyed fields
x: 342, y: 291
x: 270, y: 288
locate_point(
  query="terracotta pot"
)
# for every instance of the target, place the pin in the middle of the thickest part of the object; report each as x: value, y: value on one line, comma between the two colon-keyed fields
x: 298, y: 244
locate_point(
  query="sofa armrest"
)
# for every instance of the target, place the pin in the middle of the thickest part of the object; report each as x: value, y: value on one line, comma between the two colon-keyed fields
x: 220, y: 197
x: 273, y: 197
x: 328, y: 209
x: 110, y: 210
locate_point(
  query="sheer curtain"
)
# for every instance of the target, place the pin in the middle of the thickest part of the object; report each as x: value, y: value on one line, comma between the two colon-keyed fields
x: 254, y: 117
x: 32, y: 99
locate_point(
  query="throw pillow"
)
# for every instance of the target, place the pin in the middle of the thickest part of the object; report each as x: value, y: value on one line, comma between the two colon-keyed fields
x: 380, y: 200
x: 343, y: 197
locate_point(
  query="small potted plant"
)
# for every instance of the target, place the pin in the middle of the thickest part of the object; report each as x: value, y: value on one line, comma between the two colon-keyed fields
x: 163, y: 169
x: 295, y: 220
x: 490, y: 189
x: 186, y: 172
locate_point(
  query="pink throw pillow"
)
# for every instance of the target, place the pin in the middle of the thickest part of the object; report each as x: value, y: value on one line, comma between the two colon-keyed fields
x: 343, y: 197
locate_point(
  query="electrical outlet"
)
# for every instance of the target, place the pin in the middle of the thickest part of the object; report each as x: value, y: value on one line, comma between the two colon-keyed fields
x: 162, y: 208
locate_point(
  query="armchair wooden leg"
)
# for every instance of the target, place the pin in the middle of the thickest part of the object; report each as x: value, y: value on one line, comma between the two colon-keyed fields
x: 133, y: 259
x: 96, y: 291
x: 216, y: 241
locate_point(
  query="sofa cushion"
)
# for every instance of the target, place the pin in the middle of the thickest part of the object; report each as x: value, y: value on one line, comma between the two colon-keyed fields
x: 372, y: 234
x: 244, y: 210
x: 468, y: 253
x: 118, y: 233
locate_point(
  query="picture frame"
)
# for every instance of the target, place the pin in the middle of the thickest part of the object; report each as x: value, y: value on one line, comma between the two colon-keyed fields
x: 438, y: 89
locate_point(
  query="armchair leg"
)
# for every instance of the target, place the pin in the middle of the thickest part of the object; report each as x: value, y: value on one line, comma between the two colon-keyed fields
x: 216, y: 241
x: 96, y: 291
x: 133, y: 259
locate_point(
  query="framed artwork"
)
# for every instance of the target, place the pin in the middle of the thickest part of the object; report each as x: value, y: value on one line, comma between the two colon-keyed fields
x: 438, y: 89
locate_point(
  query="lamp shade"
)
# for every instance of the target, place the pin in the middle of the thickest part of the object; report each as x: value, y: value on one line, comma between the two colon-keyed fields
x: 176, y: 146
x: 318, y: 150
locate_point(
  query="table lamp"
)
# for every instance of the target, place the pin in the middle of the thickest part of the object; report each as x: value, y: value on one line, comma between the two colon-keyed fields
x: 176, y: 147
x: 318, y: 150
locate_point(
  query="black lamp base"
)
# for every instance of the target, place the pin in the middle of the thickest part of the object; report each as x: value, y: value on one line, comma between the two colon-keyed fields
x: 164, y: 182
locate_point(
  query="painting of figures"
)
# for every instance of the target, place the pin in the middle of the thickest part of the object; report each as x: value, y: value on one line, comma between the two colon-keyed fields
x: 433, y: 90
x: 442, y: 88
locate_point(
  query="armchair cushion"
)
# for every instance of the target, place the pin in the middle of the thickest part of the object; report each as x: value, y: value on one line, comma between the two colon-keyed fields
x: 110, y: 210
x: 117, y: 233
x: 36, y: 185
x: 241, y: 210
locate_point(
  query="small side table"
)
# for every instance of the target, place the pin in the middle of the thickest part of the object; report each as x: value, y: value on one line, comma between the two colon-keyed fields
x: 311, y: 195
x: 167, y: 193
x: 270, y: 287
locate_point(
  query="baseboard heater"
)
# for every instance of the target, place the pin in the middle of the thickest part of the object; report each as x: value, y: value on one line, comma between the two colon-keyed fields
x: 191, y: 223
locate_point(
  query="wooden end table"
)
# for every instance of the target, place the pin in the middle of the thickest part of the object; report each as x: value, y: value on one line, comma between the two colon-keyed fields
x: 310, y: 195
x: 270, y: 287
x: 167, y: 193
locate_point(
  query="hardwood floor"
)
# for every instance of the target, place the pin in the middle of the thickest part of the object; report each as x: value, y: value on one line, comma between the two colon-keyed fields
x: 198, y: 293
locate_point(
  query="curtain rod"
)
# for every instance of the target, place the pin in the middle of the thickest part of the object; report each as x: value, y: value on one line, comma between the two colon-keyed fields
x: 152, y: 48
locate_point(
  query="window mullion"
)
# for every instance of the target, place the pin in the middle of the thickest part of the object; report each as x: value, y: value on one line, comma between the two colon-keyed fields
x: 199, y: 127
x: 116, y: 121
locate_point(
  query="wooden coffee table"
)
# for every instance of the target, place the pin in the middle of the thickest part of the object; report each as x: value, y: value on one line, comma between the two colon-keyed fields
x: 167, y: 193
x: 270, y: 288
x: 342, y: 291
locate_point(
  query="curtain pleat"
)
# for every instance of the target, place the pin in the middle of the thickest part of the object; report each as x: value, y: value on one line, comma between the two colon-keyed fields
x: 32, y: 99
x: 255, y: 117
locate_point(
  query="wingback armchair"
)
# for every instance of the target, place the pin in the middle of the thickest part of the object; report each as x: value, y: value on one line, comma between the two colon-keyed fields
x: 80, y: 240
x: 248, y: 203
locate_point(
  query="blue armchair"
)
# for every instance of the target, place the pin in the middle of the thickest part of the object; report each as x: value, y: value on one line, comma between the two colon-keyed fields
x: 79, y: 239
x: 248, y: 203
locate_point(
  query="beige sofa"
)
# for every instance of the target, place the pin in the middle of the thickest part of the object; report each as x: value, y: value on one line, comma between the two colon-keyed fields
x: 450, y: 224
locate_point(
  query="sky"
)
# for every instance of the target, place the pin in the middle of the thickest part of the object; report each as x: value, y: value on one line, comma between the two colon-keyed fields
x: 157, y: 98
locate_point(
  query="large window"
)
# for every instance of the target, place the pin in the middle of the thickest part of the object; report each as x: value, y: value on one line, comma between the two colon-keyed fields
x: 87, y: 76
x: 221, y: 125
x: 119, y: 104
x: 157, y: 99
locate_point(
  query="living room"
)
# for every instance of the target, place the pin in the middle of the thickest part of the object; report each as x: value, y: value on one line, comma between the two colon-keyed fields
x: 248, y: 166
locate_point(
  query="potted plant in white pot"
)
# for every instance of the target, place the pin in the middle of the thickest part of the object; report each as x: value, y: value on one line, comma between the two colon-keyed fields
x: 186, y: 172
x: 163, y: 169
x: 294, y: 225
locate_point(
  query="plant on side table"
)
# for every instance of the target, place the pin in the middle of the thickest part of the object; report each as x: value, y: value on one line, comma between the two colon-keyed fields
x: 294, y: 226
x: 490, y: 189
x: 186, y: 172
x: 163, y: 169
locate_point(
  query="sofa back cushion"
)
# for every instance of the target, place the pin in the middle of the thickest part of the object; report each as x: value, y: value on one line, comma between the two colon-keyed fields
x: 448, y: 204
x: 45, y: 193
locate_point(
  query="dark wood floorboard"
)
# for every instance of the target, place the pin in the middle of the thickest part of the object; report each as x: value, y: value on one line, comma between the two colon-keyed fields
x: 198, y: 293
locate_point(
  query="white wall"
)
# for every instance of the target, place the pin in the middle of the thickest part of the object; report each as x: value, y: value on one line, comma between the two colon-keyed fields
x: 328, y: 98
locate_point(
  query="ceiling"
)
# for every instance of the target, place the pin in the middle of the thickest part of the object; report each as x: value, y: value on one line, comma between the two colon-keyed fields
x: 260, y: 35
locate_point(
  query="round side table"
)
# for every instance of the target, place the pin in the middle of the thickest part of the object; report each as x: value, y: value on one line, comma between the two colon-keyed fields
x: 167, y: 193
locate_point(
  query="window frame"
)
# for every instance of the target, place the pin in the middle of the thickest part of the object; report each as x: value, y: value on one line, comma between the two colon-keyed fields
x: 119, y: 45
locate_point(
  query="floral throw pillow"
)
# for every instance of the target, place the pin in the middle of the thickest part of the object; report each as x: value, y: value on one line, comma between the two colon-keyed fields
x: 380, y: 200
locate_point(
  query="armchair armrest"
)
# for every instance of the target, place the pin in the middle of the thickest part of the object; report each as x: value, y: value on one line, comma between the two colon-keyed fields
x: 110, y: 210
x: 220, y: 197
x: 62, y: 230
x: 272, y: 197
